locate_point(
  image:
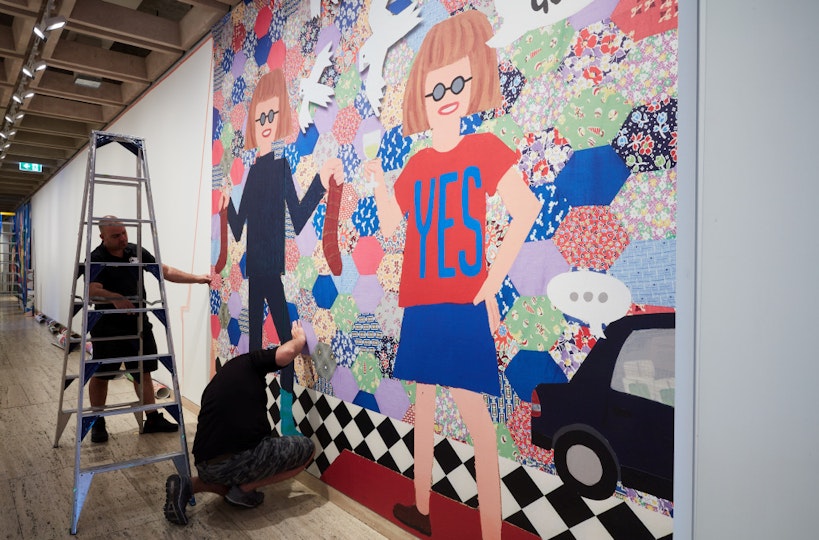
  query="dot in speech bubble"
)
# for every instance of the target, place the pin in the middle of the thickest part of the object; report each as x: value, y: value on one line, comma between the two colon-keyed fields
x: 594, y: 298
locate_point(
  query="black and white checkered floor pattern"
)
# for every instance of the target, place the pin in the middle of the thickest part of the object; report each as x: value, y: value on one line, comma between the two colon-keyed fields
x: 533, y: 500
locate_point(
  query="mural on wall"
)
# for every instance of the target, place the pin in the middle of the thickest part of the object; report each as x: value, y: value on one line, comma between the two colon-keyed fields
x: 21, y: 255
x: 470, y: 205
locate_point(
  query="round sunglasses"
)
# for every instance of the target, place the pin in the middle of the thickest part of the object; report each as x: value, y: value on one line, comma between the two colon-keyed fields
x: 457, y: 86
x: 269, y: 116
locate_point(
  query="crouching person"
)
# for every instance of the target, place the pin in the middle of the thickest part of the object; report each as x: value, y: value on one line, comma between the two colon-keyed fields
x: 235, y: 450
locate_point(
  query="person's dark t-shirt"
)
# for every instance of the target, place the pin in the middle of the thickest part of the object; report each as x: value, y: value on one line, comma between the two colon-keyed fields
x: 269, y: 195
x: 123, y: 280
x: 233, y: 415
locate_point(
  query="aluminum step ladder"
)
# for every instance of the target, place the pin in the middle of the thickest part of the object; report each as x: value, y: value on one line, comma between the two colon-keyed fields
x: 81, y: 305
x: 10, y: 277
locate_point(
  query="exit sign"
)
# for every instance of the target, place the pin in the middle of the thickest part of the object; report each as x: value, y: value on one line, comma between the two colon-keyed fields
x: 31, y: 167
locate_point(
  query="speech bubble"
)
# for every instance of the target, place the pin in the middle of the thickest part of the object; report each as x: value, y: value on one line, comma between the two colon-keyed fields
x: 594, y: 298
x: 521, y: 16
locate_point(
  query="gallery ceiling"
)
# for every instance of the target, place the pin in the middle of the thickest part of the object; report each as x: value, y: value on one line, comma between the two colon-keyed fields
x: 107, y: 55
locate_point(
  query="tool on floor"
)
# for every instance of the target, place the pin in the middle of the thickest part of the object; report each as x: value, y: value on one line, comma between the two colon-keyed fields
x: 84, y: 307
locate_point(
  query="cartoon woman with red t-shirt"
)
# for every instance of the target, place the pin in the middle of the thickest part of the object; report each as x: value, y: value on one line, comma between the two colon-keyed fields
x: 447, y: 293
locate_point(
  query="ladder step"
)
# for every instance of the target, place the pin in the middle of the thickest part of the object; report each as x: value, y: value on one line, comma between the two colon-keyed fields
x: 70, y: 377
x: 96, y: 220
x: 134, y: 264
x: 96, y: 267
x: 129, y: 310
x: 111, y: 338
x: 131, y: 463
x: 125, y: 407
x: 118, y: 177
x: 117, y: 183
x: 98, y: 299
x: 117, y: 360
x: 133, y: 299
x: 129, y: 264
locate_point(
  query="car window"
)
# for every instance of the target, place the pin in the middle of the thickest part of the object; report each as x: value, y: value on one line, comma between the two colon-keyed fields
x: 645, y: 365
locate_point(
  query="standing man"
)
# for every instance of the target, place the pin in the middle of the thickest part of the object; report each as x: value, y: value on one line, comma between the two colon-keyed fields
x: 235, y: 449
x: 111, y: 288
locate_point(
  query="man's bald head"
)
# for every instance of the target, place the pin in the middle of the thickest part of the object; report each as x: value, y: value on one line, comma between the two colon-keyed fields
x: 113, y: 234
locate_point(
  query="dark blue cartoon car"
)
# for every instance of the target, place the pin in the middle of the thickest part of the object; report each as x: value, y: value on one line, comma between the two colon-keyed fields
x: 615, y: 419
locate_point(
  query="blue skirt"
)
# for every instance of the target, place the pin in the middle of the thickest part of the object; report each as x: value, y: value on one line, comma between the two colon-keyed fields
x: 449, y: 345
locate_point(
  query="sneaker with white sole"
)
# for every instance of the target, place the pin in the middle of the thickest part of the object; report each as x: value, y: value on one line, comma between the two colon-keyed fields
x: 245, y: 499
x: 178, y: 493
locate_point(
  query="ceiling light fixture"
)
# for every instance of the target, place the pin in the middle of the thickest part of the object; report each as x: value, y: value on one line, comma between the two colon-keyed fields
x: 20, y: 98
x: 87, y: 81
x: 31, y: 70
x: 52, y: 23
x: 3, y: 135
x: 12, y: 118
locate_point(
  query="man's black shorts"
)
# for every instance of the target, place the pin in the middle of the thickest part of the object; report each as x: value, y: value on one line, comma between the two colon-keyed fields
x: 125, y: 348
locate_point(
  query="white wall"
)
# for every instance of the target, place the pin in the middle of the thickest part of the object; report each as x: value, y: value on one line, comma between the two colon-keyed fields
x: 174, y: 118
x: 757, y: 433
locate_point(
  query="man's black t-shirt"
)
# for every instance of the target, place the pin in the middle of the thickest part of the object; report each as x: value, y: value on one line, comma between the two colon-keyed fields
x: 123, y: 280
x: 233, y: 415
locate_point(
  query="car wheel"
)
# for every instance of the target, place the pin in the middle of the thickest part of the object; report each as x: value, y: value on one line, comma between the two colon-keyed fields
x: 586, y: 462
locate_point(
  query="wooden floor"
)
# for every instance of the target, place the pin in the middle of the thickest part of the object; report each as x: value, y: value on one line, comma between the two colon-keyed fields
x: 36, y: 479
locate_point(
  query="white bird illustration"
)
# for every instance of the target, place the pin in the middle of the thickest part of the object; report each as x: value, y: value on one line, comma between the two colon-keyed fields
x: 387, y: 29
x: 312, y: 91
